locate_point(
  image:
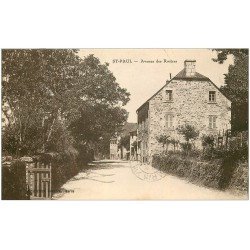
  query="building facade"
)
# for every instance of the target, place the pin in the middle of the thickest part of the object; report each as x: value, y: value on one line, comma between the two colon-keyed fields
x: 133, y: 145
x: 118, y: 151
x: 113, y: 147
x: 188, y: 98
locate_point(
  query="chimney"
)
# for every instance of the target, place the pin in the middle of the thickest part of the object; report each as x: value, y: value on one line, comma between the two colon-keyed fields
x: 189, y: 66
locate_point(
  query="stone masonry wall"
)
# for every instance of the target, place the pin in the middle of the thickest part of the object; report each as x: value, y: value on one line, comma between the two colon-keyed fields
x: 190, y: 105
x: 143, y: 138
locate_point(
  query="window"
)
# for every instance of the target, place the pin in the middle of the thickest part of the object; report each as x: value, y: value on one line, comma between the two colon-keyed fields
x: 169, y: 121
x: 169, y: 95
x: 212, y: 121
x: 212, y: 96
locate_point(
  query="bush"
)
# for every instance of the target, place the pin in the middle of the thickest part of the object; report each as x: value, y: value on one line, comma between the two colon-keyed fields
x: 216, y: 173
x: 63, y: 167
x: 239, y: 179
x: 14, y: 181
x: 189, y: 132
x: 186, y: 146
x: 208, y: 141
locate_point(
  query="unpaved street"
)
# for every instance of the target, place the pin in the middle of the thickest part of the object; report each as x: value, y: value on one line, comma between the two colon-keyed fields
x: 116, y: 180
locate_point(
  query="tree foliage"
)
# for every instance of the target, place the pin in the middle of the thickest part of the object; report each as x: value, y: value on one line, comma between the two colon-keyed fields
x: 208, y: 141
x: 236, y: 85
x: 53, y: 99
x: 164, y: 140
x: 188, y: 131
x: 125, y: 142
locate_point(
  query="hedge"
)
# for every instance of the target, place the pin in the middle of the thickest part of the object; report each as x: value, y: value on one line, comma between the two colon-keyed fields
x: 63, y: 168
x: 239, y: 179
x: 216, y: 173
x: 14, y: 181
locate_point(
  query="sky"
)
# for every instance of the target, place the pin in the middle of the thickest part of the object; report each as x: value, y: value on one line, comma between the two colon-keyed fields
x: 143, y: 78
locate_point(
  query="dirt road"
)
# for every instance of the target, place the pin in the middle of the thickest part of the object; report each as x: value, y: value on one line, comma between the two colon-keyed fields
x: 116, y: 180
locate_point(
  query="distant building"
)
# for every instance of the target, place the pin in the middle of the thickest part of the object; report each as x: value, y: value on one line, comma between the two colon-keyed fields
x: 188, y: 98
x: 118, y: 151
x: 114, y: 149
x: 133, y: 145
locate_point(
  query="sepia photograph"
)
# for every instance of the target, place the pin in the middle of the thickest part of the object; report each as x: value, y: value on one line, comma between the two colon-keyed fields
x: 125, y: 124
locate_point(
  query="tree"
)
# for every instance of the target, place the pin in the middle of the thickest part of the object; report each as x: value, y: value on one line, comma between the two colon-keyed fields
x: 35, y: 85
x: 125, y: 142
x: 54, y: 98
x: 99, y: 101
x: 164, y: 140
x: 208, y: 141
x: 236, y: 85
x: 174, y: 142
x: 190, y: 133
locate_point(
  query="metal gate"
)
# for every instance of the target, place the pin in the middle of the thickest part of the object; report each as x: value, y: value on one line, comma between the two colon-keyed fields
x: 39, y: 181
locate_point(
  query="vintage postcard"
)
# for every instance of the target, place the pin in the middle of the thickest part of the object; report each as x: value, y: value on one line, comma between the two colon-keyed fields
x: 124, y: 124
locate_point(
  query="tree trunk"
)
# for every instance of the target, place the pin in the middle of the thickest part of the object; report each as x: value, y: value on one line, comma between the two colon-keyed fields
x: 50, y: 130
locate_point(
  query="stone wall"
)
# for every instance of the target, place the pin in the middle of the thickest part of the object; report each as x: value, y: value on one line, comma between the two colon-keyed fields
x: 143, y: 133
x: 190, y: 105
x: 133, y: 148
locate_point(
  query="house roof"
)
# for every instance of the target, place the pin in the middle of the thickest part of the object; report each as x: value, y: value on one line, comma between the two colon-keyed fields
x: 182, y: 76
x: 127, y: 128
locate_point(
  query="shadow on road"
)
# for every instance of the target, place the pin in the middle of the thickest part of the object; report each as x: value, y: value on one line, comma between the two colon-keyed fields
x: 105, y: 165
x: 93, y: 176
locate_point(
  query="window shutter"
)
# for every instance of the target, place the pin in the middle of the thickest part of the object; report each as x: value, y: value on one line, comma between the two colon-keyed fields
x: 171, y: 121
x: 214, y: 122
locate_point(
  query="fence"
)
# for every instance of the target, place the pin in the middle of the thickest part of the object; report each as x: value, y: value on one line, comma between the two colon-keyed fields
x: 228, y: 140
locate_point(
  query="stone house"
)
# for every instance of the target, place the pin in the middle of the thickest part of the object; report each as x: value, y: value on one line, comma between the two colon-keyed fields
x: 188, y: 98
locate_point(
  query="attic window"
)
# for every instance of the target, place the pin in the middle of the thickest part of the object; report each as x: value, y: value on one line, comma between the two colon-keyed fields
x: 169, y: 95
x: 212, y: 96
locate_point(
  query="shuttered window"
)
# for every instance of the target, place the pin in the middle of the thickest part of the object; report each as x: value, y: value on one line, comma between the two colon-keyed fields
x: 212, y: 121
x: 170, y: 121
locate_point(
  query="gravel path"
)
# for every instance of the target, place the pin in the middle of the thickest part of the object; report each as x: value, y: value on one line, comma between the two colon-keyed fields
x: 115, y: 180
